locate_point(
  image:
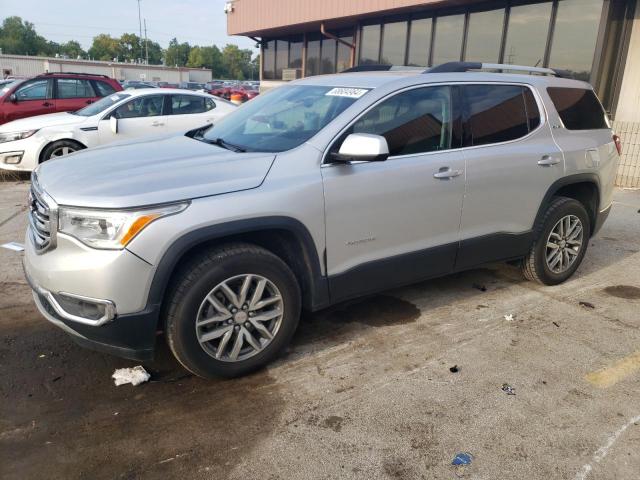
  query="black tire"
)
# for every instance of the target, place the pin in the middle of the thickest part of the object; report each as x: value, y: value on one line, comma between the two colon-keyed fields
x: 50, y: 149
x: 534, y: 265
x: 198, y: 278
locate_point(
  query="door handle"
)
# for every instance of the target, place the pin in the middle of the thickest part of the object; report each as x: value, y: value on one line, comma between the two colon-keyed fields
x: 89, y: 102
x: 157, y: 124
x: 445, y: 173
x: 548, y: 160
x: 47, y: 104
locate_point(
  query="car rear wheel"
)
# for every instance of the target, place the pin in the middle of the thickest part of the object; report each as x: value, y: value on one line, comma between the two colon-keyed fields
x: 561, y: 242
x: 60, y: 149
x: 231, y: 311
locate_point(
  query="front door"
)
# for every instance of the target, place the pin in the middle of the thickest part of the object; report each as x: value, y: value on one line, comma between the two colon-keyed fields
x: 139, y: 117
x: 397, y: 221
x: 33, y: 97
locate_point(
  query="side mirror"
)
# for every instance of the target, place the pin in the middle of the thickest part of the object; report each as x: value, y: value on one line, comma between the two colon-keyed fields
x: 113, y: 124
x: 13, y: 98
x: 362, y: 147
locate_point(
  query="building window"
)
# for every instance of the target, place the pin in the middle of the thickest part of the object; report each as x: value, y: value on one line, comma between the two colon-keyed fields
x: 369, y: 44
x: 419, y: 42
x: 313, y: 55
x: 394, y: 43
x: 328, y: 58
x: 484, y: 35
x: 282, y: 57
x: 448, y: 42
x: 527, y: 34
x: 295, y: 51
x: 268, y: 59
x: 343, y: 60
x: 575, y: 35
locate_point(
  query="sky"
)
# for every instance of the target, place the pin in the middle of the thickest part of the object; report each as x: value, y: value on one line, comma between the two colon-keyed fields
x: 199, y: 22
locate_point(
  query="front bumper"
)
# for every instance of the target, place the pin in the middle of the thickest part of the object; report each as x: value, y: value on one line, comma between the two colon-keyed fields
x: 118, y: 280
x: 28, y: 150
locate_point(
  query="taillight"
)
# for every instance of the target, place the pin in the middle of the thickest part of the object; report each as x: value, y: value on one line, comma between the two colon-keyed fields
x: 616, y: 140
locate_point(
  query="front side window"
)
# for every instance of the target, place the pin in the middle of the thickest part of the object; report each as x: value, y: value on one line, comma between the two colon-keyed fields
x: 147, y: 106
x: 34, y: 90
x: 414, y: 121
x: 579, y: 108
x: 283, y: 118
x: 187, y: 104
x: 74, y: 88
x: 498, y: 113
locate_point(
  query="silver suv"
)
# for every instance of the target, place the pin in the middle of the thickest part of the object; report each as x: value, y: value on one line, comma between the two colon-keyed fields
x: 326, y: 189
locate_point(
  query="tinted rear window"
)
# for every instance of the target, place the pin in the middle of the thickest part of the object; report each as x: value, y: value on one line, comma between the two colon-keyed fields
x: 578, y: 108
x: 499, y: 113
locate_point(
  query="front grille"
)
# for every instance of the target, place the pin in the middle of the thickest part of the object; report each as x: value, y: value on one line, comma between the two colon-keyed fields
x: 42, y: 219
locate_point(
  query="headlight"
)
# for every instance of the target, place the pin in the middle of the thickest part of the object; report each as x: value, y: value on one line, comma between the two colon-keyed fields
x: 13, y: 136
x: 110, y: 229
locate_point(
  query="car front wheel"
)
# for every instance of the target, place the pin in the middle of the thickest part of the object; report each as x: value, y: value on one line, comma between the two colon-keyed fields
x: 231, y: 311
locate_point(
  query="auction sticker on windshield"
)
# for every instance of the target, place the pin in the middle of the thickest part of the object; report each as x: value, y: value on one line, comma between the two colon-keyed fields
x: 347, y: 92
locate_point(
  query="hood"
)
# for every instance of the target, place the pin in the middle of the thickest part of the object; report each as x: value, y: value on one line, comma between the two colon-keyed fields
x: 41, y: 121
x: 150, y: 171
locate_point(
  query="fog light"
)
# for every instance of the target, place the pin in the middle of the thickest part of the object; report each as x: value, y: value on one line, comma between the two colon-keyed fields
x: 84, y: 308
x: 13, y: 159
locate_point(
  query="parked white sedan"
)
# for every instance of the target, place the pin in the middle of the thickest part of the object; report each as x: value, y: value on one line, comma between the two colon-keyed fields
x: 123, y: 115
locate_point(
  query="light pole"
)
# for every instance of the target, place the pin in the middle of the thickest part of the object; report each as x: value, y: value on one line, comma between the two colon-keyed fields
x: 140, y: 26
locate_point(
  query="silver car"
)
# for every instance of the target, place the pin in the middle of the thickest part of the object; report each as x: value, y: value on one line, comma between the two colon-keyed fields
x: 326, y: 189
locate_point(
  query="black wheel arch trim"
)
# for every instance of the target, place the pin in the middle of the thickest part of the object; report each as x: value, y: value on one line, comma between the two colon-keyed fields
x: 318, y: 295
x: 567, y: 181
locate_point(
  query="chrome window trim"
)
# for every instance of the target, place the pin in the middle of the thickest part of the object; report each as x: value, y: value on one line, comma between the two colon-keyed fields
x: 541, y: 108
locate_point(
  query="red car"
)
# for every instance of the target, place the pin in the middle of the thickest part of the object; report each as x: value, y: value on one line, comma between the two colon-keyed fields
x: 53, y: 92
x: 240, y: 92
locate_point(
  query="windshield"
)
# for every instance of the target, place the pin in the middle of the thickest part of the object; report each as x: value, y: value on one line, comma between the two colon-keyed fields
x: 101, y: 105
x: 283, y: 118
x: 5, y: 87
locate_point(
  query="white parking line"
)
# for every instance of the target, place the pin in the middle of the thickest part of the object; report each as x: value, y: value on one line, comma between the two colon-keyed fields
x: 604, y: 450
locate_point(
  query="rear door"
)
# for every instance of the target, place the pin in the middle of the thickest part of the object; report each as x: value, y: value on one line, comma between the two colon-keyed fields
x: 511, y: 161
x: 139, y: 117
x: 190, y: 111
x: 397, y: 221
x: 73, y: 94
x: 33, y: 97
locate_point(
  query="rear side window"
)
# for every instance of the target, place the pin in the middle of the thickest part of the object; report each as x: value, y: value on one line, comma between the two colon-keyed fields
x: 498, y: 113
x: 188, y: 104
x: 579, y: 108
x: 74, y: 88
x: 103, y: 88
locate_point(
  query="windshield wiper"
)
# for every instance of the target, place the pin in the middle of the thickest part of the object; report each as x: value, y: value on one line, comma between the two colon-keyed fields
x: 224, y: 144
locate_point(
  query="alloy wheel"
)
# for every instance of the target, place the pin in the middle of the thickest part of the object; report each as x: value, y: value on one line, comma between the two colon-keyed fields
x: 564, y: 244
x: 62, y: 151
x: 239, y: 317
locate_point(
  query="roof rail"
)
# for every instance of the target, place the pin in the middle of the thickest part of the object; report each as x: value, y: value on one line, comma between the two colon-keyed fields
x: 75, y: 73
x: 371, y: 67
x: 451, y: 67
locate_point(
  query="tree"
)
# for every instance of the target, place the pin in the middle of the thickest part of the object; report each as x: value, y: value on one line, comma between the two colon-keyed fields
x: 236, y: 62
x: 72, y: 49
x: 177, y: 54
x: 207, y: 57
x: 105, y: 47
x: 21, y: 38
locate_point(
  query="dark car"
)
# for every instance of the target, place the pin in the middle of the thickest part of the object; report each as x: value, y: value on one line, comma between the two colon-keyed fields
x: 51, y: 93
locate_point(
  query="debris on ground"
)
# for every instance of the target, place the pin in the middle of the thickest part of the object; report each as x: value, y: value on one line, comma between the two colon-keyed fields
x: 134, y: 376
x: 42, y: 355
x: 15, y: 246
x: 477, y: 286
x: 509, y: 317
x: 556, y: 324
x: 508, y: 389
x: 587, y: 304
x: 454, y: 369
x: 462, y: 458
